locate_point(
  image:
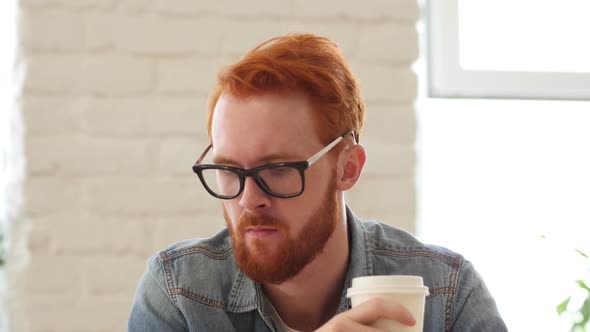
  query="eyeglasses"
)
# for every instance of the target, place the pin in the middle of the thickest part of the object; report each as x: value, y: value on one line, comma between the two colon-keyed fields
x: 282, y: 180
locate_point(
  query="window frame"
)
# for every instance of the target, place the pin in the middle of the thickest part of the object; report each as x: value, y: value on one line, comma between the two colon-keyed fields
x: 446, y: 78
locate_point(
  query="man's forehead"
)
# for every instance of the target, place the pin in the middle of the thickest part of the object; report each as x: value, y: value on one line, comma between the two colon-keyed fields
x: 281, y: 101
x: 263, y: 115
x: 262, y: 129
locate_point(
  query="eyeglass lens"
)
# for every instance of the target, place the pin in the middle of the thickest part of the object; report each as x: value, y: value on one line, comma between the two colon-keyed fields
x: 278, y: 180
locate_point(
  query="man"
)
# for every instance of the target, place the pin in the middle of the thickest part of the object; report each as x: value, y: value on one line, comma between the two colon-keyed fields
x: 284, y: 124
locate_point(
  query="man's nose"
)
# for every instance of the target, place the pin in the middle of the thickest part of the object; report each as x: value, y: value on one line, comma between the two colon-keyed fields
x: 253, y: 198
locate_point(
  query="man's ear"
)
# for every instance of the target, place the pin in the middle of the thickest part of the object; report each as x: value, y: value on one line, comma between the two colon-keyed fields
x: 350, y: 166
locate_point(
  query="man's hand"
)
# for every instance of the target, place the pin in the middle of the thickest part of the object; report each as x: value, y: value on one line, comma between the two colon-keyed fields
x: 362, y: 316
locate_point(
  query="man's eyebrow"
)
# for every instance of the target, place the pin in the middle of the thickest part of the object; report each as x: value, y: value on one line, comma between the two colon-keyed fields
x: 223, y: 160
x: 271, y: 158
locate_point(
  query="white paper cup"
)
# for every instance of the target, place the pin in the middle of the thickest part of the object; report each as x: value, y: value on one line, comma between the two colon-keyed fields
x: 408, y: 291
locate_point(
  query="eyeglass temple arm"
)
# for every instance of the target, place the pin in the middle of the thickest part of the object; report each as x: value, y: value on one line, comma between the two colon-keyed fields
x: 203, y: 154
x: 310, y: 161
x: 325, y: 150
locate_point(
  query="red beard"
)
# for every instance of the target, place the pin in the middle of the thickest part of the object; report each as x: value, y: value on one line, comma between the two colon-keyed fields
x: 264, y: 264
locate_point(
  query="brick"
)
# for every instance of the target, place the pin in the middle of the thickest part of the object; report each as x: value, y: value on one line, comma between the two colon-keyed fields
x: 53, y: 115
x: 153, y: 35
x: 383, y: 193
x: 135, y: 7
x: 117, y: 74
x: 53, y: 73
x: 384, y: 158
x: 391, y: 43
x: 52, y: 194
x: 51, y: 30
x: 17, y: 318
x: 399, y: 10
x: 148, y: 117
x: 345, y: 34
x: 40, y: 234
x: 124, y: 235
x: 113, y: 275
x: 80, y: 155
x: 174, y: 229
x: 148, y: 196
x: 188, y: 7
x: 77, y: 314
x: 177, y: 155
x: 261, y: 8
x: 93, y: 235
x: 241, y: 36
x: 77, y: 4
x: 386, y: 84
x: 190, y: 76
x: 54, y: 274
x: 101, y: 30
x: 104, y: 74
x: 391, y: 124
x: 16, y: 313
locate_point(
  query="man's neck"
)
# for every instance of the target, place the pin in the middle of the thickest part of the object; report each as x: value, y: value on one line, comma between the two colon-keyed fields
x: 311, y: 298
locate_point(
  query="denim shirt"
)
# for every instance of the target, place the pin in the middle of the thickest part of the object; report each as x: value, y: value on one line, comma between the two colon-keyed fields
x: 195, y: 285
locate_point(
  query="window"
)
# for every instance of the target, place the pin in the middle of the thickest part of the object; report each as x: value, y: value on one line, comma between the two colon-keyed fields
x: 509, y: 49
x: 495, y: 175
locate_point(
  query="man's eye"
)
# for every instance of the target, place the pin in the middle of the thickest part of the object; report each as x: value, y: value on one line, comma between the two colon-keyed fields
x: 280, y: 171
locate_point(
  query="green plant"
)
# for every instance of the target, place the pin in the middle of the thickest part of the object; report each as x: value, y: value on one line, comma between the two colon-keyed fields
x: 580, y: 316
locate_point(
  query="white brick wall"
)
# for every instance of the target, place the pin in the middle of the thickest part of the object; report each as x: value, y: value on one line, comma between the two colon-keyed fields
x: 114, y: 103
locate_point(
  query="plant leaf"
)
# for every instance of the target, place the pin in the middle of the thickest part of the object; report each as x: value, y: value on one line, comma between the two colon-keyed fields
x: 585, y: 311
x: 562, y: 307
x: 582, y: 253
x: 582, y: 284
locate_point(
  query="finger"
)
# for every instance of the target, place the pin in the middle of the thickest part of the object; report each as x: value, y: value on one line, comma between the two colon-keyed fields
x: 342, y: 323
x: 374, y: 309
x: 354, y: 326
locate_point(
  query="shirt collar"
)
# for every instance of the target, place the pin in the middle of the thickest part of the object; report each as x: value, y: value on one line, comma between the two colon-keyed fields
x: 359, y: 264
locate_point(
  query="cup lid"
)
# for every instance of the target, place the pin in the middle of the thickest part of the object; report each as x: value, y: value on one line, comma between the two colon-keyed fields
x: 387, y: 281
x: 423, y: 290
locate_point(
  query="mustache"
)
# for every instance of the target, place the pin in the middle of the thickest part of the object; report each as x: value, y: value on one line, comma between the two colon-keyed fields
x: 248, y: 220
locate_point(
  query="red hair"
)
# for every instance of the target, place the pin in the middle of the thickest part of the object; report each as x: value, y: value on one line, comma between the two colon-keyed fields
x: 304, y: 63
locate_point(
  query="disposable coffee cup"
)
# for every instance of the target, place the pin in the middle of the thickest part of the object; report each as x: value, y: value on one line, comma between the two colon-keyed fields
x: 408, y: 291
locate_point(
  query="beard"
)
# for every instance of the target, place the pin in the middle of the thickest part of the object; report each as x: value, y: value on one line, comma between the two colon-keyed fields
x: 264, y: 263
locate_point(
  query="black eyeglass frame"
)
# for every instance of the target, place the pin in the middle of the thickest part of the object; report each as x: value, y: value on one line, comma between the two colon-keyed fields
x: 300, y: 166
